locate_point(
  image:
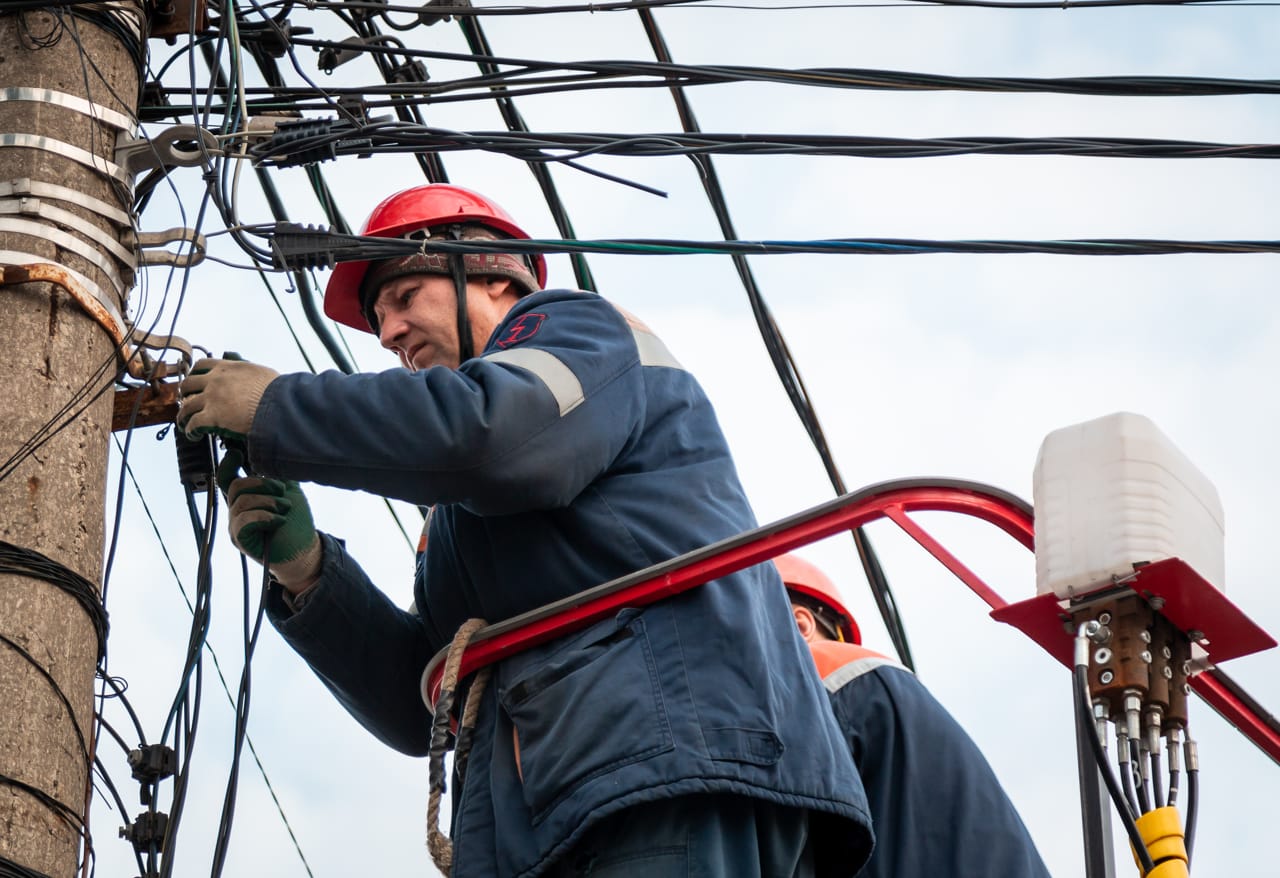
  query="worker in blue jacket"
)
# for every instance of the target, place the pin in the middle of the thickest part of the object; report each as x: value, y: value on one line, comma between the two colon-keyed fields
x: 937, y: 807
x: 559, y: 445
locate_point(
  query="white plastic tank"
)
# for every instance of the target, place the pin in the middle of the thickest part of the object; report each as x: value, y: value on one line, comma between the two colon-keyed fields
x: 1113, y: 492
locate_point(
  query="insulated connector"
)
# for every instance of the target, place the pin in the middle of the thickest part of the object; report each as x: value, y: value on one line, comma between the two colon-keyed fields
x: 146, y: 832
x: 300, y: 142
x: 152, y: 763
x: 195, y: 470
x: 295, y: 247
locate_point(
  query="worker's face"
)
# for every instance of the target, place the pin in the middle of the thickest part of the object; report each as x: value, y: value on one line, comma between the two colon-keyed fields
x: 418, y: 317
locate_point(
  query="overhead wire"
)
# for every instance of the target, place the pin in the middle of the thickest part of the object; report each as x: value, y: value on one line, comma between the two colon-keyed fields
x: 311, y: 141
x: 784, y: 362
x: 479, y: 44
x: 499, y: 86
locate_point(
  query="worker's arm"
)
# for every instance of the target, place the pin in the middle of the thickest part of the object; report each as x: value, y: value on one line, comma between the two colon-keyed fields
x: 525, y: 426
x: 367, y: 651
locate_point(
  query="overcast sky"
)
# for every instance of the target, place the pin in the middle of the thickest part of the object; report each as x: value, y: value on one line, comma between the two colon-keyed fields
x: 932, y: 365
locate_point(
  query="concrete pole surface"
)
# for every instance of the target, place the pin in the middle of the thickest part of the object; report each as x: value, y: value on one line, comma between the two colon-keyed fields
x: 50, y: 353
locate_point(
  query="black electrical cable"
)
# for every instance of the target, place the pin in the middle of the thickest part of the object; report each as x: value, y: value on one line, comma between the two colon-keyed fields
x: 1084, y: 719
x: 103, y: 725
x: 57, y: 690
x: 80, y: 402
x: 299, y: 245
x: 302, y: 282
x: 12, y: 868
x: 64, y: 811
x: 1193, y: 797
x: 185, y: 472
x: 432, y: 167
x: 1138, y: 776
x: 114, y: 541
x: 341, y: 138
x: 29, y: 563
x: 479, y: 44
x: 555, y: 76
x: 461, y: 9
x: 223, y: 838
x: 115, y: 795
x: 784, y: 363
x: 118, y: 690
x: 185, y: 711
x: 1124, y: 755
x: 458, y: 272
x: 1157, y: 792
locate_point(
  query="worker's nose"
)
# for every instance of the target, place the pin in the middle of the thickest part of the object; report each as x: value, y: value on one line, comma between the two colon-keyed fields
x: 392, y: 330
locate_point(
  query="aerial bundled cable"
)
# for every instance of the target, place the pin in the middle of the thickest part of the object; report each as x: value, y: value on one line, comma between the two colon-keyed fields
x: 524, y: 77
x: 310, y: 141
x: 296, y: 246
x: 302, y: 283
x: 359, y: 17
x: 784, y: 363
x: 479, y: 44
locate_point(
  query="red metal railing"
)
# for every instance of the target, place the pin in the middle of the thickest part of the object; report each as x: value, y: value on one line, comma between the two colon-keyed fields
x: 1190, y: 602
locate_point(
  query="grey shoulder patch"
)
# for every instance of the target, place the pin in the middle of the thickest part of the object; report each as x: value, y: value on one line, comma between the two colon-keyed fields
x: 550, y: 370
x: 653, y: 352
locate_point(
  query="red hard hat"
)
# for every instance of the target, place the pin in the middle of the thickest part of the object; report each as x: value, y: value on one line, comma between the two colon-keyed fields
x: 421, y: 207
x: 800, y: 576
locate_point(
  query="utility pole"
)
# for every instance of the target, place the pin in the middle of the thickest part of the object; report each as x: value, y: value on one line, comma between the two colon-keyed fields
x: 68, y: 85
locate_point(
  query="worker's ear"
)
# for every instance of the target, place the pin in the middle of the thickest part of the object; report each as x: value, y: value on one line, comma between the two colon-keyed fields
x: 805, y: 622
x: 496, y: 287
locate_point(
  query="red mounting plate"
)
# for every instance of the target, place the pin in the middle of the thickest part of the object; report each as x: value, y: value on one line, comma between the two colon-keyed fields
x: 1191, y: 603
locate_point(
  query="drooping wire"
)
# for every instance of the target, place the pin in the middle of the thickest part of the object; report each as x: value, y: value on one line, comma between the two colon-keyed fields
x: 783, y: 362
x: 184, y: 713
x: 1193, y: 796
x: 302, y: 284
x: 217, y: 667
x: 479, y: 44
x: 1124, y: 804
x: 1138, y: 776
x: 251, y: 632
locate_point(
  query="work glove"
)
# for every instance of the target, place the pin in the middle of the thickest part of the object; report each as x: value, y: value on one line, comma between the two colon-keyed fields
x: 221, y: 397
x: 271, y: 523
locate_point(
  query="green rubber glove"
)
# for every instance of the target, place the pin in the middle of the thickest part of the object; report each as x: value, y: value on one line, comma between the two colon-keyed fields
x: 221, y: 397
x: 272, y: 517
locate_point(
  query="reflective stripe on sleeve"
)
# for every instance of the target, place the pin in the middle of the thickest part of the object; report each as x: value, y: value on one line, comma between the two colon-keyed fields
x: 558, y: 378
x: 841, y: 677
x: 653, y: 352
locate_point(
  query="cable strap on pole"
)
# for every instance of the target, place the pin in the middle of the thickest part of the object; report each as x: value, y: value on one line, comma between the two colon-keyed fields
x: 438, y: 844
x: 22, y: 561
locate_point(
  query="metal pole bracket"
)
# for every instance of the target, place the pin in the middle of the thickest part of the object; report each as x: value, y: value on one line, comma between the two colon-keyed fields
x: 178, y: 146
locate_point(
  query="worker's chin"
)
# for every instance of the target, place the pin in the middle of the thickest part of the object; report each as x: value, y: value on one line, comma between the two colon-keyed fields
x: 426, y: 357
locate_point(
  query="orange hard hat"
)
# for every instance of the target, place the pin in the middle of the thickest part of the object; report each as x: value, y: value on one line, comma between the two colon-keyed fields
x: 803, y: 578
x: 412, y: 210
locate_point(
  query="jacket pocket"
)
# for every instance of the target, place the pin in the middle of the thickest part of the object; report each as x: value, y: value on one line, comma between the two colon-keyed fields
x: 590, y: 707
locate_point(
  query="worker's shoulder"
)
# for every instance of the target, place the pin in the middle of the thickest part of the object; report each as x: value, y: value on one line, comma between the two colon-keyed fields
x: 841, y: 663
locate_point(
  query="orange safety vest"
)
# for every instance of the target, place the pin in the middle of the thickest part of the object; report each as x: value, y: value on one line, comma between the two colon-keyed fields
x: 839, y: 663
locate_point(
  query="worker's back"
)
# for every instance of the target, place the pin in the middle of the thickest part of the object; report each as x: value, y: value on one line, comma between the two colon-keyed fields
x: 937, y: 808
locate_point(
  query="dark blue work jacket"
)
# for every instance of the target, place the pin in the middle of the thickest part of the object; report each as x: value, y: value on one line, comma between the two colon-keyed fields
x: 937, y: 806
x: 572, y: 451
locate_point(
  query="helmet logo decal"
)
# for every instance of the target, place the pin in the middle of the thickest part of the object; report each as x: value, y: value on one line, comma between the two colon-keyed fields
x: 525, y: 327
